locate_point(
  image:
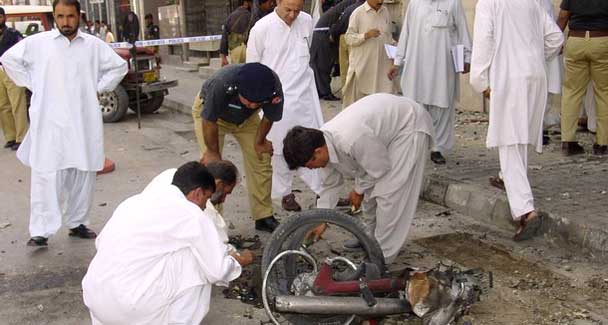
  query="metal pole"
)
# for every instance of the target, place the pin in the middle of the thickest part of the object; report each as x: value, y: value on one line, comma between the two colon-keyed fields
x: 182, y: 28
x: 328, y: 305
x: 137, y: 92
x: 141, y: 14
x: 86, y: 10
x: 111, y: 11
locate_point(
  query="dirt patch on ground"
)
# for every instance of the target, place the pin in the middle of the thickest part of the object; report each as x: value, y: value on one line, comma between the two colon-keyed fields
x: 524, y: 292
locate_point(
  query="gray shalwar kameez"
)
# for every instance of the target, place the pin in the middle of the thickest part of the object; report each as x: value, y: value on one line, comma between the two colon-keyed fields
x: 383, y: 142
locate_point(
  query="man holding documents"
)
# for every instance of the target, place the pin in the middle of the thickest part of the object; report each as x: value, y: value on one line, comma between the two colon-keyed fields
x: 369, y: 29
x: 433, y: 48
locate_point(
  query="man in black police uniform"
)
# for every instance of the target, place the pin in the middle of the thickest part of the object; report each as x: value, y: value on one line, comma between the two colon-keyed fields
x: 130, y: 27
x: 152, y: 30
x: 234, y: 34
x: 228, y: 104
x: 13, y: 107
x: 324, y: 50
x: 260, y: 9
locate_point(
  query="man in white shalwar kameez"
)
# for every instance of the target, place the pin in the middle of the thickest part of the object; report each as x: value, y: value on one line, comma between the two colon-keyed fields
x: 65, y: 69
x: 281, y: 41
x: 383, y: 142
x: 369, y: 29
x: 554, y: 77
x: 512, y: 41
x: 430, y: 30
x: 159, y: 255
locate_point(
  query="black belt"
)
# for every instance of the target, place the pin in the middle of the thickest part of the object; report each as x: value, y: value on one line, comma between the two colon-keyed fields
x: 592, y: 33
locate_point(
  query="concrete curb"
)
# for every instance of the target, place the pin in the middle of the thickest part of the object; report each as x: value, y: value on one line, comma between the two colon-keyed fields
x: 491, y: 206
x: 176, y: 106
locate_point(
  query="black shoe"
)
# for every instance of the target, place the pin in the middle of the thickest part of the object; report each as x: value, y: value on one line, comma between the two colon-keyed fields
x: 437, y: 158
x: 268, y: 224
x: 15, y: 146
x: 82, y: 232
x: 570, y: 148
x: 600, y: 150
x: 546, y: 140
x: 37, y: 241
x: 330, y: 98
x: 9, y: 144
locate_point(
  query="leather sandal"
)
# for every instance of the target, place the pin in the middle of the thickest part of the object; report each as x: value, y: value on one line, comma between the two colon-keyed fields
x: 497, y: 182
x: 82, y: 232
x: 528, y: 226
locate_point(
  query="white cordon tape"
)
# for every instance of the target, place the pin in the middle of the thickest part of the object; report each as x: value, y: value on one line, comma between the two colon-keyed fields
x: 166, y: 41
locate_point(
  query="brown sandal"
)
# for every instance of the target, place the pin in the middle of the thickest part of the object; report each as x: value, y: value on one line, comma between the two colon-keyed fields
x: 497, y: 182
x: 528, y: 226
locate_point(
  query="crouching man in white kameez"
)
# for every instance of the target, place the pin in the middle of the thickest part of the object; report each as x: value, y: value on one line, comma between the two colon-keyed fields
x: 512, y: 41
x: 159, y: 255
x: 383, y: 142
x: 226, y: 176
x: 65, y: 69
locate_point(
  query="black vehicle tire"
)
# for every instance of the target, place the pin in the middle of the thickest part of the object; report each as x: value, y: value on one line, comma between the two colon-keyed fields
x: 114, y: 104
x: 288, y: 236
x: 150, y: 105
x: 299, y: 221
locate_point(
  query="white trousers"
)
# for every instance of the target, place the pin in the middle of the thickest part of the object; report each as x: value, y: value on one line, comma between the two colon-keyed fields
x: 443, y: 125
x: 589, y: 108
x: 191, y: 306
x: 58, y: 198
x: 550, y: 118
x: 392, y: 212
x: 282, y: 177
x: 188, y: 309
x: 514, y: 172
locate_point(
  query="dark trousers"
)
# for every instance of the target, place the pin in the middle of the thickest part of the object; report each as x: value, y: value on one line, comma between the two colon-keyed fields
x: 323, y: 56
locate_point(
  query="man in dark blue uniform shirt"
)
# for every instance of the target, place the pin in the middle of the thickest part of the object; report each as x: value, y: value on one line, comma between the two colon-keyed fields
x: 229, y: 103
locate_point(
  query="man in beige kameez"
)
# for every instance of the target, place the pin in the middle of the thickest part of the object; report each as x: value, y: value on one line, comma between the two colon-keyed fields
x: 369, y: 29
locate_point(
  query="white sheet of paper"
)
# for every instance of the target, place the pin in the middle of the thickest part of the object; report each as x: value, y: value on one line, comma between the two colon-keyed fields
x: 458, y: 57
x: 391, y: 51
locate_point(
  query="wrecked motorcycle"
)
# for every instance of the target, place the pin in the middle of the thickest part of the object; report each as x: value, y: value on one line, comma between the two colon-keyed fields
x: 347, y: 285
